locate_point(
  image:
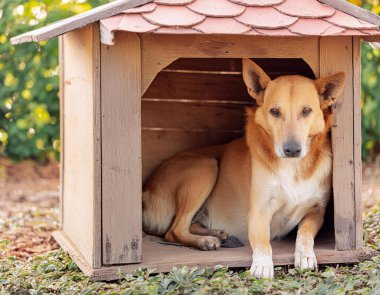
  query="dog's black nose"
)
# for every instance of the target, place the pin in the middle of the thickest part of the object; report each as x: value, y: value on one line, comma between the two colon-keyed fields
x: 292, y: 149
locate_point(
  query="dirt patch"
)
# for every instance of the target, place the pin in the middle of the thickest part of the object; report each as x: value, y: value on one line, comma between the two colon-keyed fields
x: 29, y: 200
x: 371, y: 185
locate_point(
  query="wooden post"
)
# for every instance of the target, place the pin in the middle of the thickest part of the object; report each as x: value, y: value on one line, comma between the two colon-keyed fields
x: 121, y: 150
x: 357, y: 141
x: 80, y: 118
x: 337, y: 54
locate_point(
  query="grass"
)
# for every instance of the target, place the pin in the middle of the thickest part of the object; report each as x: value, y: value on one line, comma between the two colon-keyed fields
x: 56, y: 273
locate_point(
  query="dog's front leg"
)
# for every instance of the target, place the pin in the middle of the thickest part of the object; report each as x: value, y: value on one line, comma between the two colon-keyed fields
x: 259, y: 219
x: 307, y: 230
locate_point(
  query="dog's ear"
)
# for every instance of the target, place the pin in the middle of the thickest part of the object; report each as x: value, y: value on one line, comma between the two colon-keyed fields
x: 255, y: 79
x: 329, y: 88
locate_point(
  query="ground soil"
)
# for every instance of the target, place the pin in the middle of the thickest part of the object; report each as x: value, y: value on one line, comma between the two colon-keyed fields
x: 29, y: 200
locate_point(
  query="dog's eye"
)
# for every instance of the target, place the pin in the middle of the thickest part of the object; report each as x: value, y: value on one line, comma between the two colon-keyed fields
x: 275, y: 112
x: 306, y: 111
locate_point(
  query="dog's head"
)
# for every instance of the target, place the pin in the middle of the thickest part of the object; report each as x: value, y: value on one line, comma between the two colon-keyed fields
x: 291, y: 108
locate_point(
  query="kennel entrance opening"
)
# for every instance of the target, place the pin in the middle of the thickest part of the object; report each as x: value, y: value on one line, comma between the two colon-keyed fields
x: 195, y: 102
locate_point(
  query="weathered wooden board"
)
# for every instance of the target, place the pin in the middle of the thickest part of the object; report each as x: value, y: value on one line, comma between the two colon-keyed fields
x: 162, y: 258
x: 121, y: 150
x: 192, y: 115
x: 202, y: 85
x: 77, y: 21
x: 336, y: 55
x: 81, y: 141
x: 61, y: 108
x: 357, y: 141
x: 273, y: 67
x: 158, y: 145
x: 158, y: 51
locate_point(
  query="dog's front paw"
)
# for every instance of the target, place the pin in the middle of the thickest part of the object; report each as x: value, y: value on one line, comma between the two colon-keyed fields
x: 305, y: 259
x: 208, y: 243
x: 262, y: 267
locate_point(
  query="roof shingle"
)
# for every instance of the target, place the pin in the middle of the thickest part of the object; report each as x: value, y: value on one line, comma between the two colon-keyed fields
x: 250, y: 17
x: 220, y: 8
x: 306, y: 9
x: 265, y: 18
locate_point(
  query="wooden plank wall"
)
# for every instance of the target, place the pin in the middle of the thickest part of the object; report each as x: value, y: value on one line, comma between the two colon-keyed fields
x: 81, y: 157
x: 196, y: 102
x: 121, y: 150
x: 337, y: 55
x: 356, y: 62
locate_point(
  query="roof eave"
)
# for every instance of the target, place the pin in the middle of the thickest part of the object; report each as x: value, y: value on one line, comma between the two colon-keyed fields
x: 77, y: 21
x: 353, y: 10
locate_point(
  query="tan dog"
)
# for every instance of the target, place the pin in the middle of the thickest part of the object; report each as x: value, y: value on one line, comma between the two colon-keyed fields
x: 258, y: 187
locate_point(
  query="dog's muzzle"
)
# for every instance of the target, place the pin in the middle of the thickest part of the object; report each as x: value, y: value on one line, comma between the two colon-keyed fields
x: 292, y: 149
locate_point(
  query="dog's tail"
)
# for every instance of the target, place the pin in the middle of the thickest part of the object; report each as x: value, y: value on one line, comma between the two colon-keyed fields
x: 158, y: 212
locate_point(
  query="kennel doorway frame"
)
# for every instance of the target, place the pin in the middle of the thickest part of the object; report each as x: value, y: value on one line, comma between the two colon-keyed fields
x: 101, y: 144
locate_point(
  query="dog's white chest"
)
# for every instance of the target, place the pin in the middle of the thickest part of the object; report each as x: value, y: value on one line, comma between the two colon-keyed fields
x: 296, y: 190
x: 296, y: 197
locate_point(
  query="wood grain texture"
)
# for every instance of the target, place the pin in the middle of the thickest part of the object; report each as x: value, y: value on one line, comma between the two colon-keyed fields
x: 97, y: 165
x: 162, y: 258
x: 61, y: 124
x: 201, y: 85
x: 192, y: 115
x: 161, y: 50
x: 77, y: 21
x: 81, y: 146
x: 121, y: 150
x: 336, y: 55
x: 357, y: 141
x: 353, y: 10
x: 273, y: 67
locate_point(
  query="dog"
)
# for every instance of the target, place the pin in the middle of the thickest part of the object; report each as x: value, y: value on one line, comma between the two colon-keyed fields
x: 258, y: 187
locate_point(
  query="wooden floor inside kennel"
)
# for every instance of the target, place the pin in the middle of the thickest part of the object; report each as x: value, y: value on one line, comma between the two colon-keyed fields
x: 162, y: 257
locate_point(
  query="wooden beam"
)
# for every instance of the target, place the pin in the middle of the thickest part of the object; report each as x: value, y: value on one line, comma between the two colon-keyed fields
x: 121, y: 150
x: 81, y: 158
x: 336, y: 55
x: 77, y: 21
x: 353, y: 10
x: 159, y: 50
x: 357, y: 141
x: 61, y: 50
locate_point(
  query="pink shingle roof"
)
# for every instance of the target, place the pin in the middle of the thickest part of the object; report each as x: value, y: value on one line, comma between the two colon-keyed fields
x: 250, y: 17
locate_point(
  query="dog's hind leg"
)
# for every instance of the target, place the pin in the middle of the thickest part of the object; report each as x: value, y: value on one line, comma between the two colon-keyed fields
x: 190, y: 196
x: 199, y: 229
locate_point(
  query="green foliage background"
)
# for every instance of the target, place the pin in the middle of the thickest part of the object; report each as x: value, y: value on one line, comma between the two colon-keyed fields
x: 29, y: 105
x: 370, y: 90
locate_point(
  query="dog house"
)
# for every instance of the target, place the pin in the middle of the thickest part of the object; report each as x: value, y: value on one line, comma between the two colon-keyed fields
x: 142, y: 80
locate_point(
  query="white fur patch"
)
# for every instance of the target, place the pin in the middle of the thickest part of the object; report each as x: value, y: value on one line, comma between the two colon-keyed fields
x: 304, y: 256
x: 297, y: 196
x: 262, y: 265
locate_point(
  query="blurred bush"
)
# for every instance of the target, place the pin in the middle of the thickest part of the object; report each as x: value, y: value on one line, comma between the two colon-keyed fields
x: 370, y: 90
x: 29, y: 105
